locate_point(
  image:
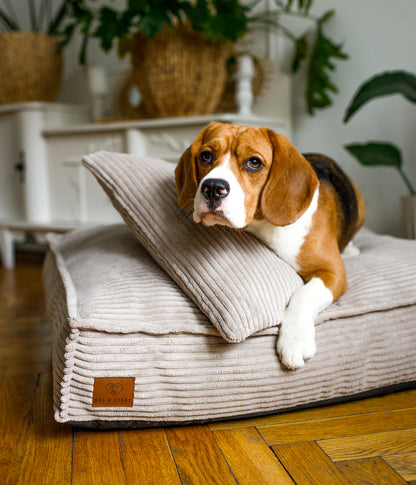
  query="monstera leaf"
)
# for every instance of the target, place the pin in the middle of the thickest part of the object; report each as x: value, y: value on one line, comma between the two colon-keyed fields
x: 387, y: 83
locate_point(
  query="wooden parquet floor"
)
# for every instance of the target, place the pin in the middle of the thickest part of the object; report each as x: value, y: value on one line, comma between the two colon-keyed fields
x: 371, y: 441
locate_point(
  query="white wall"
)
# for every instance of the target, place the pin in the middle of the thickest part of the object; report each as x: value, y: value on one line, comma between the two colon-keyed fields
x: 378, y: 35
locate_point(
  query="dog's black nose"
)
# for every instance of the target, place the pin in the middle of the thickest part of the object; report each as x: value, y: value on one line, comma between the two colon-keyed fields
x: 214, y: 190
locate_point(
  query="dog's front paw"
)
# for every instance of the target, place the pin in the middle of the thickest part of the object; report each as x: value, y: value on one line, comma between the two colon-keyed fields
x: 296, y: 344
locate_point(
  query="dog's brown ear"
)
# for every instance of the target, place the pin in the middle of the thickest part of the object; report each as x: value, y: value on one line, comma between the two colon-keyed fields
x: 186, y: 180
x: 290, y: 185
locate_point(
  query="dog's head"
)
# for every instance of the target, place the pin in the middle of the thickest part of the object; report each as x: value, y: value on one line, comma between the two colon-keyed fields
x: 232, y: 174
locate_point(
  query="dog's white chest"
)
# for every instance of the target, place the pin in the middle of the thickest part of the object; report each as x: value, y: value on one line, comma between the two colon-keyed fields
x: 286, y: 241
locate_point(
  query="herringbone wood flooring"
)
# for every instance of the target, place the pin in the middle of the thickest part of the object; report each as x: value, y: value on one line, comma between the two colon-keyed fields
x: 371, y: 441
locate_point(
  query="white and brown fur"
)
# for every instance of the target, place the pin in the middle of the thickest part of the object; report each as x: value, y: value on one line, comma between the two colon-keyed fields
x: 302, y: 206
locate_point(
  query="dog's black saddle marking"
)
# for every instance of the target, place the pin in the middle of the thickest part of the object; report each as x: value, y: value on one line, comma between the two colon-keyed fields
x: 329, y: 172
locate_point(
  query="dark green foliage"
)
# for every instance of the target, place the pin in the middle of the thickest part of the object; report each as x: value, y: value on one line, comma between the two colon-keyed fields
x: 322, y: 51
x: 387, y: 83
x: 319, y: 84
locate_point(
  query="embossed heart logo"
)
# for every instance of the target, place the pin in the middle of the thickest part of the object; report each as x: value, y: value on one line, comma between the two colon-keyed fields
x: 114, y: 389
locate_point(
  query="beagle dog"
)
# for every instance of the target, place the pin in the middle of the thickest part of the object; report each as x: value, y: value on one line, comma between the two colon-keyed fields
x: 302, y: 206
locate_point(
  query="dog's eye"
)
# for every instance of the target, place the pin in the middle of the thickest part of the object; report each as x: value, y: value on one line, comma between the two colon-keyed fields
x: 253, y: 164
x: 206, y: 157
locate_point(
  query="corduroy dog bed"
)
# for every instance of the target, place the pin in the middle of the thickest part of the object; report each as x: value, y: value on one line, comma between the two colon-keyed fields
x: 181, y: 325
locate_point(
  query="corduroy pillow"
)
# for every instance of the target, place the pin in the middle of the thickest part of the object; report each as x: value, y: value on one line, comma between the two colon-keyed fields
x: 240, y: 284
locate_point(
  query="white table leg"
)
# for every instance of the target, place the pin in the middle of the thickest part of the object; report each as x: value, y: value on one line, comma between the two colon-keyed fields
x: 7, y: 248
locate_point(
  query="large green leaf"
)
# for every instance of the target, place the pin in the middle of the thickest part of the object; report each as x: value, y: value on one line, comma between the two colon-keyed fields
x: 376, y: 153
x: 391, y: 82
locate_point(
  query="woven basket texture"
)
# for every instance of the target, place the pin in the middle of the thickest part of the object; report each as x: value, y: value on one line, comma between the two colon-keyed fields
x: 179, y: 72
x: 31, y: 66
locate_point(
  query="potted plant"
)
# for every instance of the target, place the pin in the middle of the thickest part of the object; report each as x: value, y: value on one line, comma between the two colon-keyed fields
x: 377, y: 153
x: 160, y: 34
x: 32, y: 60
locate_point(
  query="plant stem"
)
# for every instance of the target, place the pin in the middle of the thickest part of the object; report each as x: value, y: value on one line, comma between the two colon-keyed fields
x: 48, y: 9
x: 7, y: 21
x: 274, y: 25
x: 306, y: 16
x: 12, y: 13
x: 33, y: 20
x: 41, y: 17
x: 287, y: 9
x: 407, y: 181
x: 253, y: 4
x: 290, y: 35
x: 56, y: 21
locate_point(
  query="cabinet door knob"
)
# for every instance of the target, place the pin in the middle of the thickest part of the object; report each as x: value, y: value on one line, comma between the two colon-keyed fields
x: 20, y: 166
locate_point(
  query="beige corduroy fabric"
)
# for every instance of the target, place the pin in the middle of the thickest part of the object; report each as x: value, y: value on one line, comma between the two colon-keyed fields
x: 115, y: 313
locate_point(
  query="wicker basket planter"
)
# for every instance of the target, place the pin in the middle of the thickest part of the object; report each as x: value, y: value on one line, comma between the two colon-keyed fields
x: 179, y: 72
x: 31, y: 64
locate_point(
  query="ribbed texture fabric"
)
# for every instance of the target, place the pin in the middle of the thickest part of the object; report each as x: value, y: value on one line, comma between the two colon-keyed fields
x: 113, y: 285
x: 241, y: 285
x: 115, y: 313
x: 382, y: 277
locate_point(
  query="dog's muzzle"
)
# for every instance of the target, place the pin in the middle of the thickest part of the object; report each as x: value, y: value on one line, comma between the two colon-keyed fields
x: 213, y: 191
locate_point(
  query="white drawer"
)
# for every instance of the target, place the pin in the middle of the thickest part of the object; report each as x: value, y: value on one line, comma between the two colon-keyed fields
x: 74, y: 193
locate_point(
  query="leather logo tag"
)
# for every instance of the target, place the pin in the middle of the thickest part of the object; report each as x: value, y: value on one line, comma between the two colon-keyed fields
x: 111, y: 392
